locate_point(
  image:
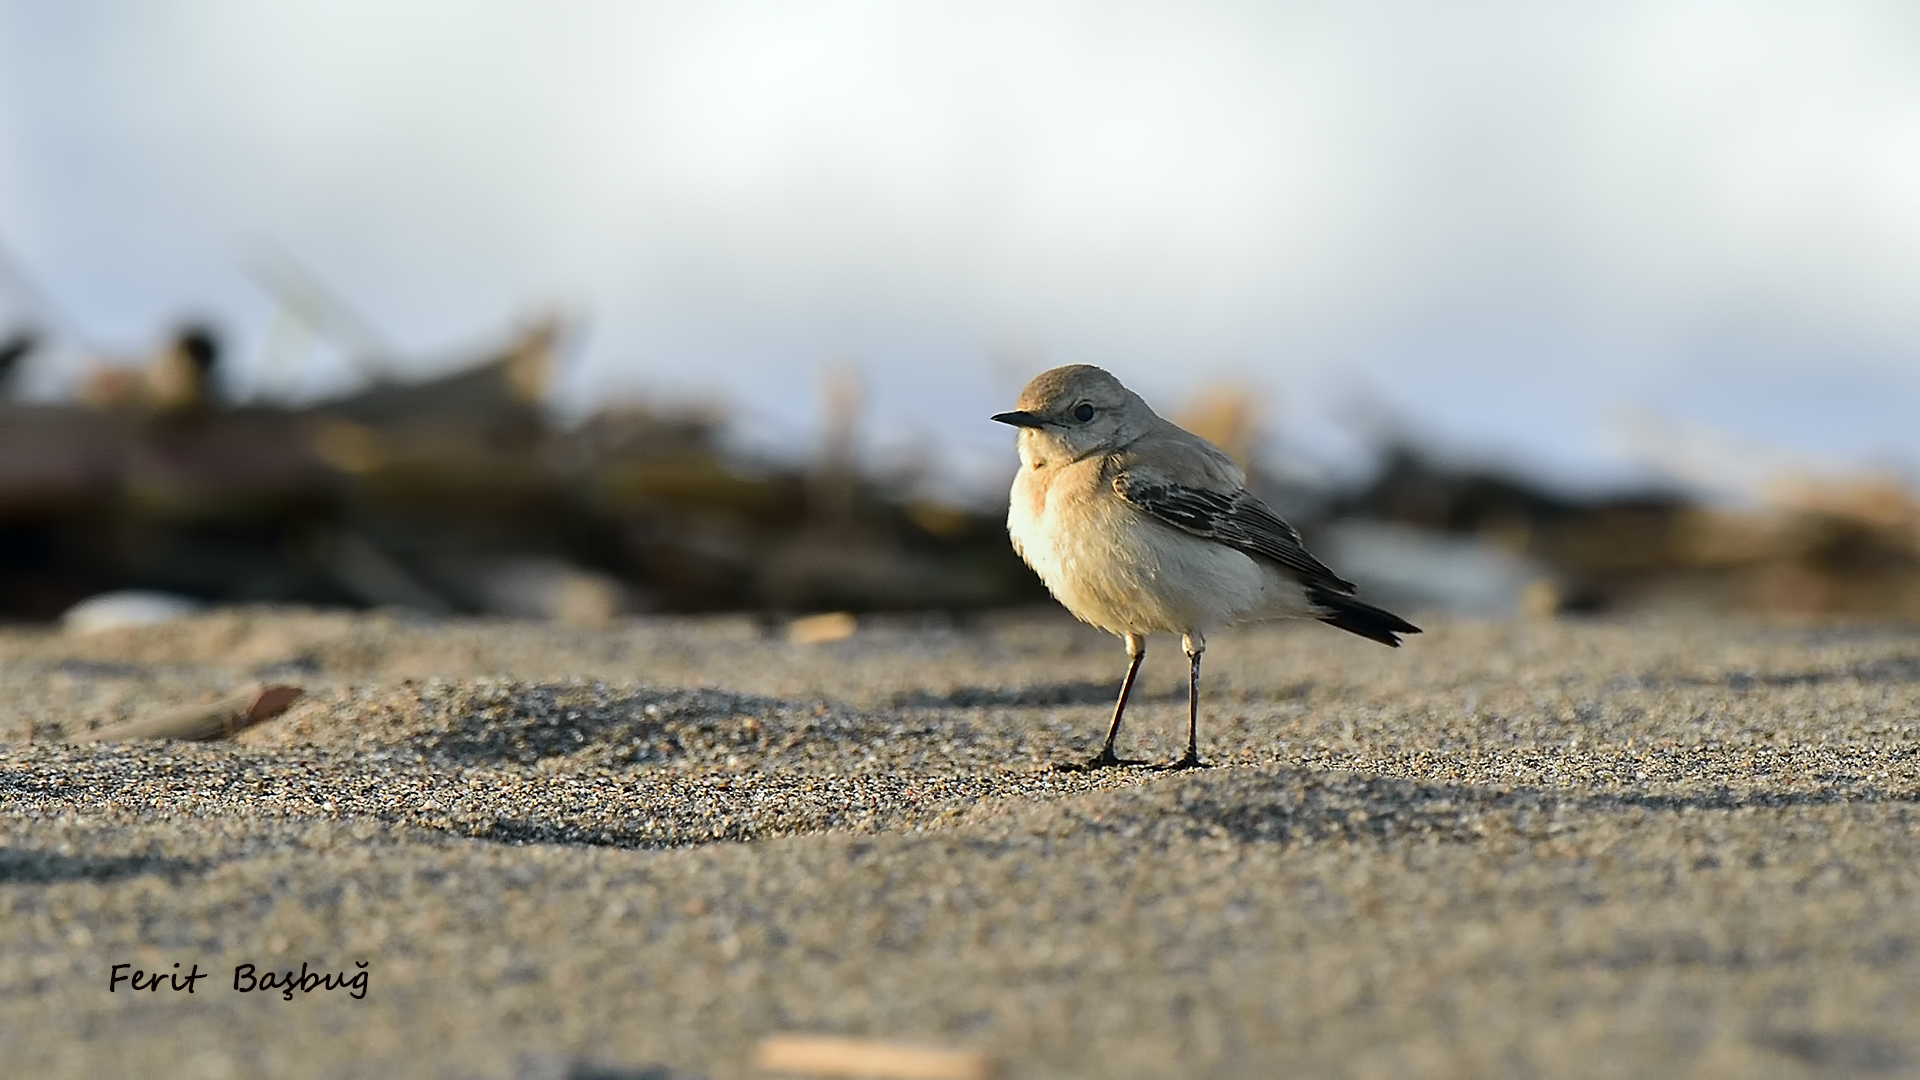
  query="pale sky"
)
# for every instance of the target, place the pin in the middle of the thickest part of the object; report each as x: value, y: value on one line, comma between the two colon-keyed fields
x: 1504, y: 223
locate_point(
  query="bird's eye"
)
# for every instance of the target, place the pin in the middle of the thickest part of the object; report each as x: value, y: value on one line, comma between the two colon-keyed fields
x: 1083, y: 413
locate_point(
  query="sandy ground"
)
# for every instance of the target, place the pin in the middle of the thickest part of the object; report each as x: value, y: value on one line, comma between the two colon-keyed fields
x: 1630, y: 849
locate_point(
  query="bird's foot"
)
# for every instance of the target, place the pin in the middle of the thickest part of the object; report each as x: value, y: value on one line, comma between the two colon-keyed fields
x: 1105, y: 759
x: 1191, y: 761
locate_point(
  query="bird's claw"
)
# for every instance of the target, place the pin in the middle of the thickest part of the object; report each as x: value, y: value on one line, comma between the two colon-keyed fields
x: 1191, y: 761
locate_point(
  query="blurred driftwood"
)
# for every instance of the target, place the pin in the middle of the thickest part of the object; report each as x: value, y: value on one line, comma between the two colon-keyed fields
x: 457, y: 494
x: 215, y: 720
x: 1832, y: 544
x: 821, y: 1055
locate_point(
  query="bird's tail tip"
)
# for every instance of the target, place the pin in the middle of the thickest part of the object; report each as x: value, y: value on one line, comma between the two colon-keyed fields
x: 1359, y: 617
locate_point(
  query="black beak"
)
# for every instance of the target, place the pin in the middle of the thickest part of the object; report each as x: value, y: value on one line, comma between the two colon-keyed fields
x: 1019, y: 419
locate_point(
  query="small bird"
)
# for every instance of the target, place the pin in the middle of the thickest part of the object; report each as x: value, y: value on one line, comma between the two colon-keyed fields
x: 1138, y: 526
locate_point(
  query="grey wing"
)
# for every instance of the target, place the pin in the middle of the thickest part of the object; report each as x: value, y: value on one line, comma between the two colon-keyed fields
x: 1236, y: 519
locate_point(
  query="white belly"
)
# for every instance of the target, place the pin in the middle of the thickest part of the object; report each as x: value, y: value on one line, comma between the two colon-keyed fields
x: 1125, y: 572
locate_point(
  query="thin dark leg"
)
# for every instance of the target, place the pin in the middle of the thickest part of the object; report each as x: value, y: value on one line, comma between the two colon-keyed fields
x: 1192, y: 760
x: 1106, y: 758
x: 1135, y: 654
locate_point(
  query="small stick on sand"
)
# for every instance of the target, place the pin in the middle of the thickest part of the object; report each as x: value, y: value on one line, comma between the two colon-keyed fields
x: 214, y: 720
x: 820, y: 1055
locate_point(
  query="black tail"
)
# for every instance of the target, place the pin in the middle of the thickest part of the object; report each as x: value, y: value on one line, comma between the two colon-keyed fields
x: 1359, y: 618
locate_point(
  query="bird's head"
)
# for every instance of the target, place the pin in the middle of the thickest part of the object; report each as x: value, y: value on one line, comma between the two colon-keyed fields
x: 1070, y: 412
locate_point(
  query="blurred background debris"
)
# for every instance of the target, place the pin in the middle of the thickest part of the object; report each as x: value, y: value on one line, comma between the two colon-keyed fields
x: 14, y: 348
x: 126, y: 607
x: 461, y: 494
x: 457, y: 494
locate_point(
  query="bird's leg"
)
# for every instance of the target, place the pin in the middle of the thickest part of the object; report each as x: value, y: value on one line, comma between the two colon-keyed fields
x: 1106, y: 758
x: 1194, y: 645
x: 1136, y: 652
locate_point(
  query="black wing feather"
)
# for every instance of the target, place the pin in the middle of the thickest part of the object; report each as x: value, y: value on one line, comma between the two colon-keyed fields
x: 1237, y: 520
